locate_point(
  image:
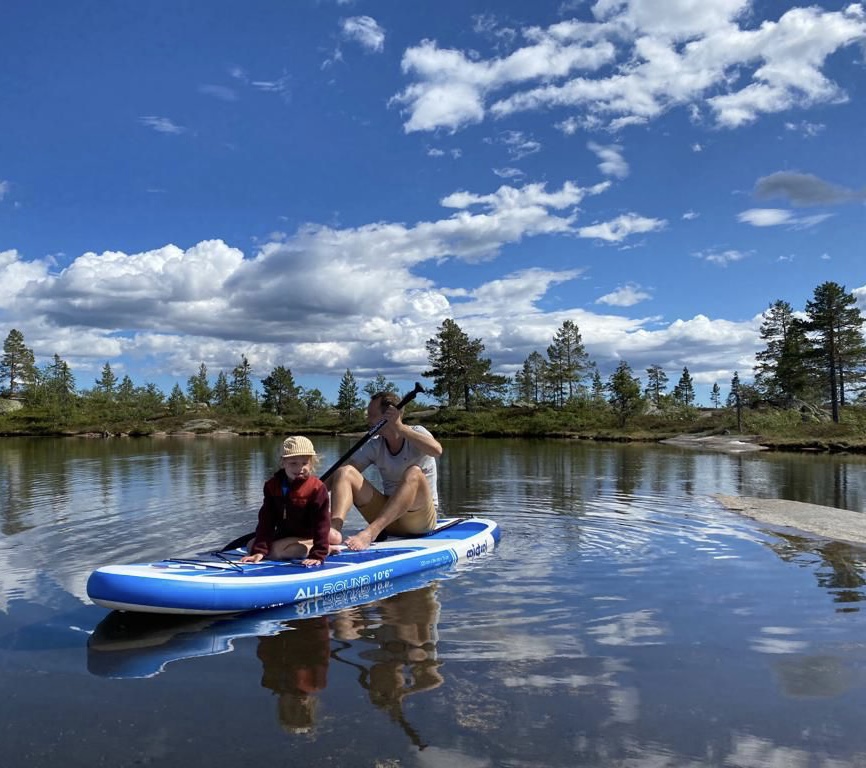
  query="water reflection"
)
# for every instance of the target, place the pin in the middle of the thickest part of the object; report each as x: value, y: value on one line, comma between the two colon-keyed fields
x: 393, y: 645
x: 841, y: 569
x: 295, y: 668
x: 624, y: 619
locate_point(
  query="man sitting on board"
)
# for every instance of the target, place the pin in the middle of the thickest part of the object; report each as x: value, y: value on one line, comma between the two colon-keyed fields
x: 406, y: 459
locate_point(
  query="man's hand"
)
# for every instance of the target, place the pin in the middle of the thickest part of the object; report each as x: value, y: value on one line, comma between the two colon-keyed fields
x: 256, y: 558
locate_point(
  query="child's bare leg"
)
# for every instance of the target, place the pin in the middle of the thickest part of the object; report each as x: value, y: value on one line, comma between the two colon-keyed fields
x: 290, y: 548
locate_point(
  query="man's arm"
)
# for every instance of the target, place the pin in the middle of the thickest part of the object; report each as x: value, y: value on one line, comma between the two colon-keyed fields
x: 421, y: 439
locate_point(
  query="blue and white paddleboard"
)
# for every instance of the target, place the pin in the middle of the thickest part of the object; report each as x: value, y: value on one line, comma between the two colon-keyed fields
x: 214, y: 583
x: 128, y: 645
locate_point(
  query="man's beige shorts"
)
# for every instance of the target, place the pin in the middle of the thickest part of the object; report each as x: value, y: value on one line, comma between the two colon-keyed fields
x: 418, y: 521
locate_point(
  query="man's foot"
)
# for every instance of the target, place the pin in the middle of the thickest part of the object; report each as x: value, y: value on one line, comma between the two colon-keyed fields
x: 359, y: 541
x: 335, y: 537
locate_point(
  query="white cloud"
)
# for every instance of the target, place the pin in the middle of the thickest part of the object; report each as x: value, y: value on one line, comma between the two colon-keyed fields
x: 650, y: 57
x: 365, y: 31
x: 721, y: 258
x: 690, y: 215
x: 805, y: 128
x: 519, y: 145
x: 765, y: 217
x: 5, y: 186
x: 612, y: 162
x: 774, y: 217
x: 508, y: 173
x: 621, y: 227
x: 569, y: 126
x: 161, y: 124
x: 625, y: 296
x: 279, y: 86
x: 451, y: 88
x: 321, y: 298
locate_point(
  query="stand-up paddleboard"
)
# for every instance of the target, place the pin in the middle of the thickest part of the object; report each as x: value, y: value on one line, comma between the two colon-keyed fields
x: 129, y: 645
x: 216, y: 582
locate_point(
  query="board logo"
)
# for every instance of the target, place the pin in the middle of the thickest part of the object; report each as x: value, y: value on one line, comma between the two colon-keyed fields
x: 477, y: 550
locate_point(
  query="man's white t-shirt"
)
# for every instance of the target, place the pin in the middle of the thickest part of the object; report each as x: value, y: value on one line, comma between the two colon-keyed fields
x: 392, y: 466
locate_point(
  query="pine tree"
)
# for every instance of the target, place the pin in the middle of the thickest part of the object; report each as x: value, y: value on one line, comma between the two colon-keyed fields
x: 107, y: 382
x: 242, y: 398
x: 782, y: 373
x: 126, y: 390
x: 734, y: 393
x: 457, y: 368
x: 176, y: 401
x: 18, y: 364
x: 597, y: 389
x: 280, y: 393
x: 529, y: 381
x: 716, y: 395
x: 380, y: 384
x: 221, y: 392
x: 684, y: 391
x: 624, y: 393
x: 314, y: 403
x: 198, y: 389
x: 657, y: 382
x: 567, y: 361
x: 836, y: 326
x: 347, y: 396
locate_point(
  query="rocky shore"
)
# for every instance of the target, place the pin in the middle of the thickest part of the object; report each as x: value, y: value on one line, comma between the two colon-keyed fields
x: 814, y: 519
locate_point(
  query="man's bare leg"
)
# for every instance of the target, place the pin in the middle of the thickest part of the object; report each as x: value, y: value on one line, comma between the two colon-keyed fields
x: 348, y: 487
x: 411, y: 494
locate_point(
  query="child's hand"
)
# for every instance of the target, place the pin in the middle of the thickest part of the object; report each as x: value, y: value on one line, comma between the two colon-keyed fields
x: 310, y: 562
x: 257, y: 557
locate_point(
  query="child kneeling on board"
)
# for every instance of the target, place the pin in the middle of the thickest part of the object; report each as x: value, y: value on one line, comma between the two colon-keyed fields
x: 295, y: 517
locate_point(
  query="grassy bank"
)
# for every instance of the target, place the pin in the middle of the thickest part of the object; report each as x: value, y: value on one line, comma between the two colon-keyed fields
x: 777, y: 429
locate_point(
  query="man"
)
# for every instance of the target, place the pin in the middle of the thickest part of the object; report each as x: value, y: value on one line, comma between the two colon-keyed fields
x: 406, y: 459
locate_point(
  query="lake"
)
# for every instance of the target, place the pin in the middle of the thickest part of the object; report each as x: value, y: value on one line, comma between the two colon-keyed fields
x: 625, y: 619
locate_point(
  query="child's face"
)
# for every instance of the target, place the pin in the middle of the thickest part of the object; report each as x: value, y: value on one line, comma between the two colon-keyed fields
x: 297, y: 466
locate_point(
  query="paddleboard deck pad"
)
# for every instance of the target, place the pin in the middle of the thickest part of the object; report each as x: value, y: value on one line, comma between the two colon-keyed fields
x: 216, y: 582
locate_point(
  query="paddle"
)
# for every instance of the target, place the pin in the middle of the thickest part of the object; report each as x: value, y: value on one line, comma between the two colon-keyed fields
x: 241, y: 541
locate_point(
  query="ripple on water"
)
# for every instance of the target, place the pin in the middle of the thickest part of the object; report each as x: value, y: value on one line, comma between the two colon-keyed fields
x: 623, y: 572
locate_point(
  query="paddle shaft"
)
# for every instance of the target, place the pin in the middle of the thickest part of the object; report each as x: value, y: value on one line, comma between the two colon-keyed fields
x: 370, y: 432
x: 408, y: 398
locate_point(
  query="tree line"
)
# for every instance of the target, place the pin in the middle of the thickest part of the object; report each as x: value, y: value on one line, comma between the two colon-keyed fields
x: 817, y: 356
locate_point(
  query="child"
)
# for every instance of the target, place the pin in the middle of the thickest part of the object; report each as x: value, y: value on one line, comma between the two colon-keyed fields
x: 295, y: 518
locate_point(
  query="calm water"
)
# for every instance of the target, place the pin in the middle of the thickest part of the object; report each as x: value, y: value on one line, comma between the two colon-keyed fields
x: 626, y: 619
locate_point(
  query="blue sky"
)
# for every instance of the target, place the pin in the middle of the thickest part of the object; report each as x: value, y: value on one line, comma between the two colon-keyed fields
x: 320, y: 183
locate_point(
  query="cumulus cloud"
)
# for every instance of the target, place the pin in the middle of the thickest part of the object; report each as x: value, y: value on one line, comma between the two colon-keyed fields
x: 365, y: 31
x: 451, y: 88
x: 325, y: 298
x: 634, y: 62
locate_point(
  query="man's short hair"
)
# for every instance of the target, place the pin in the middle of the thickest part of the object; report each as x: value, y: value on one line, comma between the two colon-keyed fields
x: 385, y: 399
